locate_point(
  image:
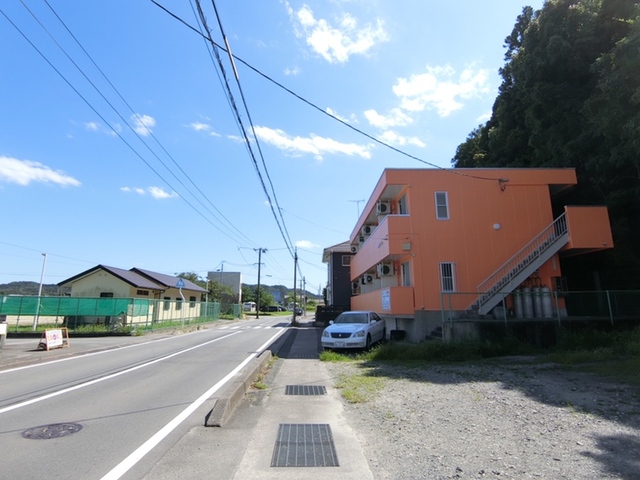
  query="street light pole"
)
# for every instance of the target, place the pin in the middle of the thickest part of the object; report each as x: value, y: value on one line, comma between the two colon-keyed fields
x: 260, y: 250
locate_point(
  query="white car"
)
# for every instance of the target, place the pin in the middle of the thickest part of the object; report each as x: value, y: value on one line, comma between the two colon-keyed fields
x: 354, y: 329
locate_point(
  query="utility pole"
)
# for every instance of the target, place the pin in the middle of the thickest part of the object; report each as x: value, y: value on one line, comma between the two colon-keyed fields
x: 260, y: 250
x: 295, y: 295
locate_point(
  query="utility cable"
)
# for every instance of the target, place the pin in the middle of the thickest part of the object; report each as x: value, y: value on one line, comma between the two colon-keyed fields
x: 135, y: 115
x: 314, y: 106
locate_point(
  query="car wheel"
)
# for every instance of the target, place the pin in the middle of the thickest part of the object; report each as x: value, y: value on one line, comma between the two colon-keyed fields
x: 368, y: 344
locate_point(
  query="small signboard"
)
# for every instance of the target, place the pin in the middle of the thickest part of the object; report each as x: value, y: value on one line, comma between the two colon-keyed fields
x: 180, y: 283
x: 54, y: 338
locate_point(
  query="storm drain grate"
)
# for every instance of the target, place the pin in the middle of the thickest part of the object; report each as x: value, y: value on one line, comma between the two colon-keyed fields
x: 304, y: 445
x: 305, y: 390
x: 56, y: 430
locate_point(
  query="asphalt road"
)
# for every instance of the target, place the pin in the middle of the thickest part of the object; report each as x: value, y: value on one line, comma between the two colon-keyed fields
x: 116, y: 413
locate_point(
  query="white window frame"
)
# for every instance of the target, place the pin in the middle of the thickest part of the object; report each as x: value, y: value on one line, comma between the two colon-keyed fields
x: 405, y: 273
x: 447, y: 277
x: 439, y: 196
x: 403, y: 206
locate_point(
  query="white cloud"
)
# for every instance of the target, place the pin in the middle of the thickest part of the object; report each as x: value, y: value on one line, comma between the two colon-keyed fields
x: 336, y: 43
x: 396, y: 118
x: 292, y: 71
x: 485, y: 117
x: 394, y: 138
x: 156, y: 192
x: 314, y: 145
x: 203, y: 127
x: 306, y: 244
x: 159, y: 193
x: 23, y: 172
x: 200, y: 127
x: 143, y: 124
x: 93, y: 126
x: 439, y: 89
x: 352, y: 118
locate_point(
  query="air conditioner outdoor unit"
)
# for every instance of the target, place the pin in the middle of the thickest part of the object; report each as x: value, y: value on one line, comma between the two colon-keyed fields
x: 383, y: 207
x: 367, y: 279
x: 355, y: 288
x: 361, y: 239
x: 354, y: 248
x: 385, y: 269
x: 366, y: 229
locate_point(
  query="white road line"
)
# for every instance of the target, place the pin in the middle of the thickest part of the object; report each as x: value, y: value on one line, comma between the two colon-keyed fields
x: 101, y: 379
x: 75, y: 357
x: 128, y: 463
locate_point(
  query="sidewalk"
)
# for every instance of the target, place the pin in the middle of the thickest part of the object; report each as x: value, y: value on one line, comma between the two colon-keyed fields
x: 276, y: 433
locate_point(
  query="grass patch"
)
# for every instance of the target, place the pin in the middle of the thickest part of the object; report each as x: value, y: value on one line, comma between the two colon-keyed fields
x: 435, y: 351
x: 613, y: 354
x: 359, y: 388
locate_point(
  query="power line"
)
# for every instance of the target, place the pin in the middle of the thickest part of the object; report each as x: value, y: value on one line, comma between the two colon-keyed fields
x: 114, y: 130
x: 323, y: 111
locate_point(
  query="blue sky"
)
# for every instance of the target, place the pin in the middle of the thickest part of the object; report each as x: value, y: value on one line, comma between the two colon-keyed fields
x: 119, y: 146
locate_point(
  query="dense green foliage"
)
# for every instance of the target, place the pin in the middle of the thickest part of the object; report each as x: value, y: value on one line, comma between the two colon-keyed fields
x: 570, y: 97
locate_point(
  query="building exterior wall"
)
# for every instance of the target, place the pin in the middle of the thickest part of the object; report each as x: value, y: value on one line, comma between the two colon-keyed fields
x: 169, y: 304
x: 492, y: 215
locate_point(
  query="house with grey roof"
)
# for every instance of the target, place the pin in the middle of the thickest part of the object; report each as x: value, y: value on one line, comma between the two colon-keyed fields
x: 168, y: 297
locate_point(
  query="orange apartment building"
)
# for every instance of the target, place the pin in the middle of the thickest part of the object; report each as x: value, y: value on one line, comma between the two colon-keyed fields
x: 451, y: 248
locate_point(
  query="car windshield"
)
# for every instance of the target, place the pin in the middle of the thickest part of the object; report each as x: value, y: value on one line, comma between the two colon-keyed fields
x: 351, y: 318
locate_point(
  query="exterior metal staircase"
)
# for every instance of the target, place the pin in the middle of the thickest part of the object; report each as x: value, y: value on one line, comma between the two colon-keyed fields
x: 521, y: 266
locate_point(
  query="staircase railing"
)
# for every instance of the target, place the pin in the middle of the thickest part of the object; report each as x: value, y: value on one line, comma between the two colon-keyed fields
x: 523, y: 258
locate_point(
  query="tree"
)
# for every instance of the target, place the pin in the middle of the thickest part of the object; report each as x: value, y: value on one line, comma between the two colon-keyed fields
x: 570, y: 97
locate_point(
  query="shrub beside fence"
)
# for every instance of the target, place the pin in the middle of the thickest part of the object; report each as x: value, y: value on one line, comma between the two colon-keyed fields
x: 78, y: 313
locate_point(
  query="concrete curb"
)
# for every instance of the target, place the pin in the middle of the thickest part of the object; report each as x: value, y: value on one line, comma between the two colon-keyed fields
x: 233, y: 394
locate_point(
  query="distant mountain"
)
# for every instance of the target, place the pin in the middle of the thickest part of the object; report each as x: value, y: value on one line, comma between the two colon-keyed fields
x: 31, y: 288
x: 280, y: 292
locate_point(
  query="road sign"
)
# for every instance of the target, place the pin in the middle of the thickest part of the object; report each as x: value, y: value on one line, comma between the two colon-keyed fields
x: 180, y: 283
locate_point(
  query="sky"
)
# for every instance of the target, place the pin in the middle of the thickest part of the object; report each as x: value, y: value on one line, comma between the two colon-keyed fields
x: 127, y: 140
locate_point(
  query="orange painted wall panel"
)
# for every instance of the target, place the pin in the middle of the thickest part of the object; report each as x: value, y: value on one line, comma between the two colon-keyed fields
x: 589, y: 227
x: 493, y: 213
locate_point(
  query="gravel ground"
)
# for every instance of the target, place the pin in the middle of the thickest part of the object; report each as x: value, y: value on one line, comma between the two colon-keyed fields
x: 505, y: 420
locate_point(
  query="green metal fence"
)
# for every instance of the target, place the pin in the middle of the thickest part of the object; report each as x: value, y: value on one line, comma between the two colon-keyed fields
x: 110, y: 313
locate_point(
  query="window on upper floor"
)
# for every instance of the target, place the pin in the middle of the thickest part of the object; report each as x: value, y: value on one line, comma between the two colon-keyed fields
x: 346, y: 260
x: 442, y: 206
x: 405, y: 274
x: 402, y: 205
x: 447, y: 277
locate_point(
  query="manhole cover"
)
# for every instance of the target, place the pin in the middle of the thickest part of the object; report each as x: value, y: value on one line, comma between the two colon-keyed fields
x: 55, y: 430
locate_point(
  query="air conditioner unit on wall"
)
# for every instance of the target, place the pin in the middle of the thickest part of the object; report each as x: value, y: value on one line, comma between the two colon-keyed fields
x: 354, y: 248
x: 366, y: 278
x: 361, y: 239
x: 383, y: 207
x: 385, y: 269
x: 355, y: 288
x: 366, y: 229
